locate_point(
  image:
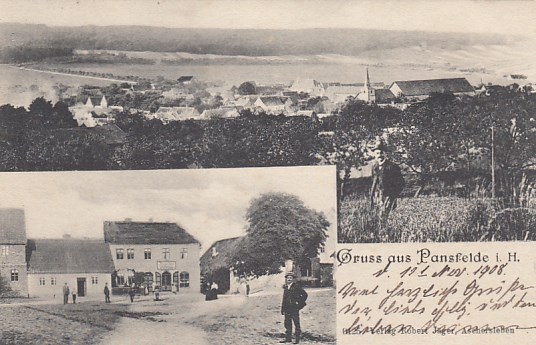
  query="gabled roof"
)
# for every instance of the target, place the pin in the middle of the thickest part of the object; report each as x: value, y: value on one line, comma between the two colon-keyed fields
x: 146, y: 233
x: 384, y: 95
x: 272, y: 101
x: 12, y: 226
x: 425, y: 87
x: 185, y: 78
x: 219, y: 255
x: 69, y: 256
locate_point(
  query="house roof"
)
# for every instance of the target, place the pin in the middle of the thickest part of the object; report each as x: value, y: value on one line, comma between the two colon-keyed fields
x: 12, y: 226
x: 272, y: 101
x: 220, y: 113
x: 383, y: 95
x: 146, y: 233
x: 177, y: 113
x: 69, y: 256
x: 219, y: 255
x: 305, y: 84
x: 425, y: 87
x: 185, y: 78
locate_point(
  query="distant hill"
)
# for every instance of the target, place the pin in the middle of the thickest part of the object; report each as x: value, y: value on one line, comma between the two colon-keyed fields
x: 232, y: 42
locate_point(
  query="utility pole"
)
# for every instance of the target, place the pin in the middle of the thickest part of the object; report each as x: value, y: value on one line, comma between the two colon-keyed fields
x: 493, y: 163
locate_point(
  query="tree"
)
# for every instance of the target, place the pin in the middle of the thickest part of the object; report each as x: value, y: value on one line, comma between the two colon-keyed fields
x: 280, y: 228
x: 247, y: 88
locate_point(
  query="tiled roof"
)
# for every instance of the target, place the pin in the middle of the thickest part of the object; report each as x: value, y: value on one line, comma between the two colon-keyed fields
x: 272, y: 101
x: 12, y: 226
x: 219, y: 254
x: 384, y: 95
x: 146, y: 233
x: 185, y: 78
x: 425, y: 87
x: 69, y: 256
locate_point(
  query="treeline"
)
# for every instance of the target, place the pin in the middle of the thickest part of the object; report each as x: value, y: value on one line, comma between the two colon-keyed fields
x: 433, y: 140
x: 20, y: 54
x: 249, y: 42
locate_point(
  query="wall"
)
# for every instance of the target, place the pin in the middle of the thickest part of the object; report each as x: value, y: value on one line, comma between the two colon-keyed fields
x: 48, y: 291
x: 15, y: 259
x: 157, y: 263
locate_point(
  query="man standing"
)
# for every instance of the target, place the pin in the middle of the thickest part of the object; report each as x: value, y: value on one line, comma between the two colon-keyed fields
x: 294, y: 298
x: 65, y: 293
x: 106, y: 293
x: 74, y: 296
x: 387, y: 181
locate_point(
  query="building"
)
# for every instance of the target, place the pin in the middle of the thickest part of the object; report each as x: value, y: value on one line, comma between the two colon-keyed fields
x: 421, y: 89
x: 310, y: 86
x: 165, y: 253
x: 273, y: 104
x: 220, y: 113
x: 369, y: 93
x: 170, y: 114
x: 85, y: 265
x: 13, y: 250
x: 216, y: 265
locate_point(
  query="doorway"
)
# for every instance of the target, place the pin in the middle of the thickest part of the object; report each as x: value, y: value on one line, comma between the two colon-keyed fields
x: 166, y: 281
x: 81, y: 286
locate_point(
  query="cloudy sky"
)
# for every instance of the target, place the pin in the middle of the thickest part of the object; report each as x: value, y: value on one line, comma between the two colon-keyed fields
x: 210, y: 203
x: 512, y: 17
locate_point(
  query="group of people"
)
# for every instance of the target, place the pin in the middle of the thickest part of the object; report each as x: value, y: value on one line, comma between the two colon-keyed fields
x: 67, y: 292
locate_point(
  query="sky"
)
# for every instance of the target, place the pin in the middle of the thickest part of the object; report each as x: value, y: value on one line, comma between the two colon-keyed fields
x: 209, y: 203
x: 508, y: 17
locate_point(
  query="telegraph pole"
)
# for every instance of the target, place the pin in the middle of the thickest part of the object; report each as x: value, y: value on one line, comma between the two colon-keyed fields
x: 493, y: 163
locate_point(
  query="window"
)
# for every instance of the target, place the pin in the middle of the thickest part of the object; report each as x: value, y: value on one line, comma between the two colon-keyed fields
x: 5, y: 250
x: 130, y: 253
x: 147, y: 253
x: 184, y: 253
x: 14, y: 275
x: 184, y: 281
x: 165, y: 252
x: 52, y: 281
x: 121, y: 279
x: 42, y: 281
x: 94, y: 280
x: 119, y: 253
x: 158, y: 277
x: 322, y: 249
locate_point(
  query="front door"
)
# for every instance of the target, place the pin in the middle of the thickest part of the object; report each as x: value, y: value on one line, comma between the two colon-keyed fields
x: 166, y: 281
x: 81, y: 286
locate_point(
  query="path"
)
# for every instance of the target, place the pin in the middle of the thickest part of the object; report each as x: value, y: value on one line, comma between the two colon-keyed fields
x: 76, y: 75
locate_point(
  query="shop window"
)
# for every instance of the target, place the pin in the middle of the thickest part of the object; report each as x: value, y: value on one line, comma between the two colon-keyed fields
x: 184, y: 280
x: 119, y: 253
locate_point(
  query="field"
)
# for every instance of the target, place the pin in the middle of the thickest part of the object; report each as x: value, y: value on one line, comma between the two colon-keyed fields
x: 435, y: 219
x: 229, y: 320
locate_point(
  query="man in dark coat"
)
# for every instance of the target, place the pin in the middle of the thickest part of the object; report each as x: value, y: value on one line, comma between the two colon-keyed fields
x: 65, y: 293
x: 106, y: 293
x: 387, y: 182
x: 294, y: 297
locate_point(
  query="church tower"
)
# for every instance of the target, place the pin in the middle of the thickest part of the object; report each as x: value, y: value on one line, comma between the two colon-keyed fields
x: 370, y: 93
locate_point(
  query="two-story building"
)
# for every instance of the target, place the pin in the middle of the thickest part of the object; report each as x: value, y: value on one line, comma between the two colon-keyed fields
x: 165, y: 253
x: 13, y: 250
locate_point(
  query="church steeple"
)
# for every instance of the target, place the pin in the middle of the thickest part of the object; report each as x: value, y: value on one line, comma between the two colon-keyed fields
x: 367, y: 83
x: 370, y: 93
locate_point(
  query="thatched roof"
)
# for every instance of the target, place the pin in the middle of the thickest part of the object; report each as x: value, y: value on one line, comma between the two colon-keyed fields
x: 219, y: 255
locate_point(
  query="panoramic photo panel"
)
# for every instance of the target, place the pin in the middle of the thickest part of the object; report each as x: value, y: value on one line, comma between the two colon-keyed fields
x: 226, y: 255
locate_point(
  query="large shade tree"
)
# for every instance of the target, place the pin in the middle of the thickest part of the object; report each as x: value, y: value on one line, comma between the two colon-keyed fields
x: 280, y: 228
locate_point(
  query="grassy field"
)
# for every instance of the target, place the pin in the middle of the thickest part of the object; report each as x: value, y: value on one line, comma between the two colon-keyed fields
x: 83, y: 323
x: 436, y: 219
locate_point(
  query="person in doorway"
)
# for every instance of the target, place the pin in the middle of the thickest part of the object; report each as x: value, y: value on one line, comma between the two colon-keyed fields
x: 106, y: 293
x: 387, y: 181
x: 74, y: 296
x: 214, y: 290
x: 65, y: 293
x: 294, y: 297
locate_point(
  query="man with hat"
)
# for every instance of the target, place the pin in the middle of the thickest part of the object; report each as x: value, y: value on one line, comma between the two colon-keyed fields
x: 387, y: 181
x: 294, y: 297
